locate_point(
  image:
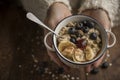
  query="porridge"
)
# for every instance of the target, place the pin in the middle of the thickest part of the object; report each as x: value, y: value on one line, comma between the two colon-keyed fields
x: 80, y: 41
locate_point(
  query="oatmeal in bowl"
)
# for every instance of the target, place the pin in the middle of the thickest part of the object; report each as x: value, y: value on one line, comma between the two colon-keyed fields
x: 80, y: 41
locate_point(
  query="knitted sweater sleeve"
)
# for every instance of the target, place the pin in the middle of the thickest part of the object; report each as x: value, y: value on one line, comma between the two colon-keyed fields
x: 110, y: 6
x: 66, y: 2
x: 40, y: 7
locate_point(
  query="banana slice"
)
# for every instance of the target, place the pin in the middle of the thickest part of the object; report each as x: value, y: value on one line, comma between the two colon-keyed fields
x: 64, y: 37
x: 73, y: 57
x: 89, y: 53
x: 68, y: 51
x: 64, y: 44
x: 78, y: 55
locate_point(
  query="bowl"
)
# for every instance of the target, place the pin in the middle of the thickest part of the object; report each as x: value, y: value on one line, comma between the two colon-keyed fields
x: 79, y: 18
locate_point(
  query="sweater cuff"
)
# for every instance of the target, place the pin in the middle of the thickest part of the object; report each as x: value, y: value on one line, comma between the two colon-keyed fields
x: 66, y: 2
x: 110, y: 6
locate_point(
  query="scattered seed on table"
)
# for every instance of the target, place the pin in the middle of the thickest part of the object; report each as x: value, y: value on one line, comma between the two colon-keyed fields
x: 77, y: 78
x: 68, y: 79
x: 68, y: 75
x: 64, y: 76
x: 73, y: 78
x: 34, y: 59
x: 110, y: 64
x: 56, y: 77
x: 49, y: 72
x: 46, y: 70
x: 53, y: 75
x: 34, y: 65
x: 19, y: 66
x: 87, y: 74
x: 108, y: 55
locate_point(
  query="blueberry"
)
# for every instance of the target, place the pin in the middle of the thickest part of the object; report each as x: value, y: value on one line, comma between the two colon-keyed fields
x: 94, y: 71
x: 79, y: 26
x: 71, y: 30
x: 60, y: 70
x: 90, y: 24
x: 93, y: 36
x: 105, y: 65
x: 73, y: 39
x: 85, y: 29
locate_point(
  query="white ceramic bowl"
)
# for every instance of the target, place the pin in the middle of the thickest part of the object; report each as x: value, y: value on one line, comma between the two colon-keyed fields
x: 78, y: 18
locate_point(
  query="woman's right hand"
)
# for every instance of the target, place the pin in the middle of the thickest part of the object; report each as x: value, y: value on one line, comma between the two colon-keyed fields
x: 101, y: 16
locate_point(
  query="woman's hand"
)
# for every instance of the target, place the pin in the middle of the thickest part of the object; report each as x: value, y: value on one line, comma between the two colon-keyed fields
x: 101, y: 16
x: 59, y: 11
x: 56, y: 13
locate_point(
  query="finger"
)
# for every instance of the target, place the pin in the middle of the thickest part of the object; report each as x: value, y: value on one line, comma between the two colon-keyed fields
x: 55, y: 58
x: 60, y: 18
x: 97, y: 63
x: 88, y: 68
x: 51, y: 23
x: 69, y: 14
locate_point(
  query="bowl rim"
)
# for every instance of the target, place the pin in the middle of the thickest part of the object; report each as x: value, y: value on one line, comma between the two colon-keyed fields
x: 86, y: 62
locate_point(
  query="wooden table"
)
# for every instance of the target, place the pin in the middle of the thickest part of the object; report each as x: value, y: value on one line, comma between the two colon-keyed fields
x: 22, y: 52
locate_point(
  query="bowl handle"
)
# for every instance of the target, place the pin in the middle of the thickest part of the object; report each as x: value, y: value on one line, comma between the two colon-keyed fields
x: 114, y: 39
x: 46, y: 44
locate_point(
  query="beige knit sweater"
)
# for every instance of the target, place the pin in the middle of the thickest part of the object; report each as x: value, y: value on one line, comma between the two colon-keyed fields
x: 39, y: 7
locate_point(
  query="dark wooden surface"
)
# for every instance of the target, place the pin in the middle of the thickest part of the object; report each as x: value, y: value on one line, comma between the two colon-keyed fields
x: 22, y: 52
